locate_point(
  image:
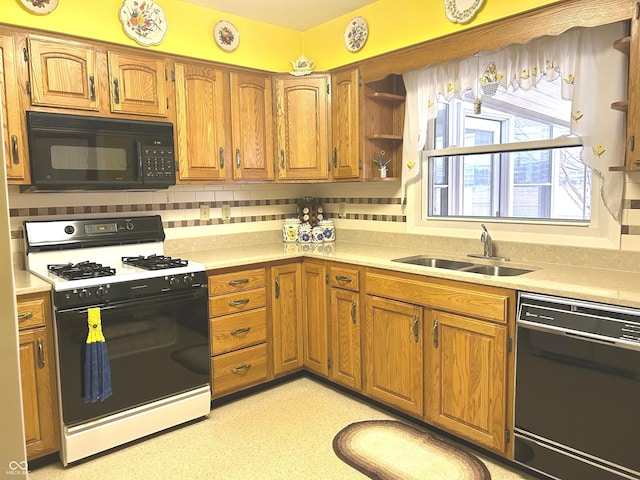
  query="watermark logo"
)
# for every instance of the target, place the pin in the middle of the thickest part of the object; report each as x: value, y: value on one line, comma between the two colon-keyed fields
x: 17, y: 468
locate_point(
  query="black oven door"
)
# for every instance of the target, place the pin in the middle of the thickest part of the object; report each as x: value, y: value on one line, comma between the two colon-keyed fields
x: 157, y: 347
x: 579, y: 396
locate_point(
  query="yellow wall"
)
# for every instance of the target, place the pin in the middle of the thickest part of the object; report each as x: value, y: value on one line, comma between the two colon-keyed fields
x: 393, y: 24
x: 190, y: 31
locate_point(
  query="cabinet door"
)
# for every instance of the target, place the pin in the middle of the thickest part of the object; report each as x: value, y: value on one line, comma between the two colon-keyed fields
x: 138, y: 84
x: 14, y: 140
x: 252, y: 126
x: 345, y: 338
x: 286, y: 310
x: 394, y: 353
x: 200, y: 122
x: 315, y: 325
x: 37, y: 395
x: 467, y: 375
x: 345, y: 92
x: 302, y: 123
x: 63, y: 74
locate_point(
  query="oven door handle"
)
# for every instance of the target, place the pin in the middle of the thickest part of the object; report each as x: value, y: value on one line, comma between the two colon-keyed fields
x: 141, y: 301
x: 578, y: 335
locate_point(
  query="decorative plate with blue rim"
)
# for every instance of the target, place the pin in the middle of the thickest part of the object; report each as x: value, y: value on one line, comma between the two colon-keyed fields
x: 143, y: 21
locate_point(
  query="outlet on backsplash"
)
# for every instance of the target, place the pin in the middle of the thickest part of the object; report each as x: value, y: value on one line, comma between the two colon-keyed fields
x: 342, y: 210
x: 204, y: 212
x: 226, y: 212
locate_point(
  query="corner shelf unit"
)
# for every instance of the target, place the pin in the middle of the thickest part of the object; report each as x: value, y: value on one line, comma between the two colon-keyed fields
x: 383, y: 121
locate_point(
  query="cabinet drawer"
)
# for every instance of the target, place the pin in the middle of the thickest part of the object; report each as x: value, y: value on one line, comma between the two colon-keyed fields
x: 236, y: 281
x: 239, y: 330
x: 478, y: 301
x: 344, y: 277
x: 235, y: 370
x: 31, y: 310
x: 237, y: 302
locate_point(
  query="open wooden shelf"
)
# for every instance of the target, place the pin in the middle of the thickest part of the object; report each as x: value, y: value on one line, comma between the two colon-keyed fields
x: 385, y: 136
x: 623, y: 45
x: 622, y: 105
x: 386, y: 97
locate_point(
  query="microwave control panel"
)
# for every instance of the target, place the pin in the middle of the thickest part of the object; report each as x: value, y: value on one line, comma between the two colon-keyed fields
x: 158, y: 163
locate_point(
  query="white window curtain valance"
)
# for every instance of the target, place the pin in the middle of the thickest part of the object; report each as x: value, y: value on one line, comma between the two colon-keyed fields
x: 594, y: 75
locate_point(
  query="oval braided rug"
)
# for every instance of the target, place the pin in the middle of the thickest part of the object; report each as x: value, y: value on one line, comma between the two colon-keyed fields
x: 388, y: 449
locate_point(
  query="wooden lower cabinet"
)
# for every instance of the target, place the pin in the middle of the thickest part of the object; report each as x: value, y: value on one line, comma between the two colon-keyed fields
x: 315, y: 320
x: 39, y: 397
x: 393, y: 352
x: 238, y: 330
x: 286, y: 316
x: 466, y: 383
x: 345, y: 338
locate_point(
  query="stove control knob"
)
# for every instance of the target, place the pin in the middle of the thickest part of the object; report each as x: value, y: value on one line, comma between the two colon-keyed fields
x: 188, y: 280
x: 101, y: 292
x: 128, y: 225
x: 83, y: 294
x: 174, y: 282
x: 69, y: 229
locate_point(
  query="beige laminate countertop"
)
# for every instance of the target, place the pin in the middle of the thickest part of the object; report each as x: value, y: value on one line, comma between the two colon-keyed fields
x: 600, y: 285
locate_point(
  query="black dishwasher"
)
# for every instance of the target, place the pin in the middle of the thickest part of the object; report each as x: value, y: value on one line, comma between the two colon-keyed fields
x: 577, y: 399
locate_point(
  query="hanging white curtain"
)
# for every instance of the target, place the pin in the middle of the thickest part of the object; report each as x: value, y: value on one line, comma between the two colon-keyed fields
x: 593, y: 77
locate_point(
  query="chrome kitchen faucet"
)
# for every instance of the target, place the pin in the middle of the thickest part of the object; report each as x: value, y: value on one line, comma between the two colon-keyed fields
x: 487, y: 246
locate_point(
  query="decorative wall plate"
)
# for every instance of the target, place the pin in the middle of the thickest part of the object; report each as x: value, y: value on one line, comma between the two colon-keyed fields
x: 461, y: 11
x: 355, y: 35
x: 143, y: 21
x: 40, y: 7
x: 226, y: 35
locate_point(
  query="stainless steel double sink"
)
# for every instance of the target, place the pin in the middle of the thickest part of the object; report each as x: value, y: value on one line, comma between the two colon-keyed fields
x: 461, y: 266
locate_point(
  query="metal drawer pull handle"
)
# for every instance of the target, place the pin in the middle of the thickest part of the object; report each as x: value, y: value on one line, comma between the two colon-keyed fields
x: 277, y: 293
x: 435, y: 333
x: 92, y: 88
x: 24, y: 316
x: 238, y: 160
x: 221, y: 153
x: 342, y: 278
x: 416, y: 329
x: 281, y: 159
x: 353, y: 312
x: 116, y: 91
x: 240, y: 281
x: 242, y: 301
x: 40, y: 348
x: 14, y: 150
x: 241, y: 368
x: 240, y: 331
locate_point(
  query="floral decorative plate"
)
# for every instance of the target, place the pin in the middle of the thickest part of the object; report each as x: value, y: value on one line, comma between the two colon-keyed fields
x: 40, y: 7
x: 355, y: 35
x: 461, y: 11
x: 226, y: 35
x: 143, y: 21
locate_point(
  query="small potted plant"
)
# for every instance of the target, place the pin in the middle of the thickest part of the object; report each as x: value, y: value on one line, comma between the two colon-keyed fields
x: 382, y: 163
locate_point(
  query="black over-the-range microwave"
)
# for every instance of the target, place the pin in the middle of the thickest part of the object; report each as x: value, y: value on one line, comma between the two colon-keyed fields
x: 76, y: 152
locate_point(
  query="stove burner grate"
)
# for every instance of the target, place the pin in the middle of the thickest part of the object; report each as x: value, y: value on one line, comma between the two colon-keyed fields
x: 154, y: 262
x: 81, y: 270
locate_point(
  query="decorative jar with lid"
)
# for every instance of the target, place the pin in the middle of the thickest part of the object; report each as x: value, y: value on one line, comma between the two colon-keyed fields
x: 328, y: 230
x: 290, y: 230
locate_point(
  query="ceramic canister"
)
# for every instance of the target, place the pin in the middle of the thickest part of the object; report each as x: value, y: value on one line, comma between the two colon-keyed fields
x: 328, y: 230
x: 304, y: 233
x: 317, y: 235
x: 290, y: 230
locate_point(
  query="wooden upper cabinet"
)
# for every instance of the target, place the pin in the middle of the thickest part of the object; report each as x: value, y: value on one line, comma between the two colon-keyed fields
x: 138, y: 84
x: 63, y: 73
x: 200, y: 122
x: 14, y: 139
x: 302, y: 124
x: 252, y: 126
x: 345, y: 91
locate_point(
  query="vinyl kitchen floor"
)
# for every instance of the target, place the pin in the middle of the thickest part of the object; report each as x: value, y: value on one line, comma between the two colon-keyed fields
x: 285, y: 432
